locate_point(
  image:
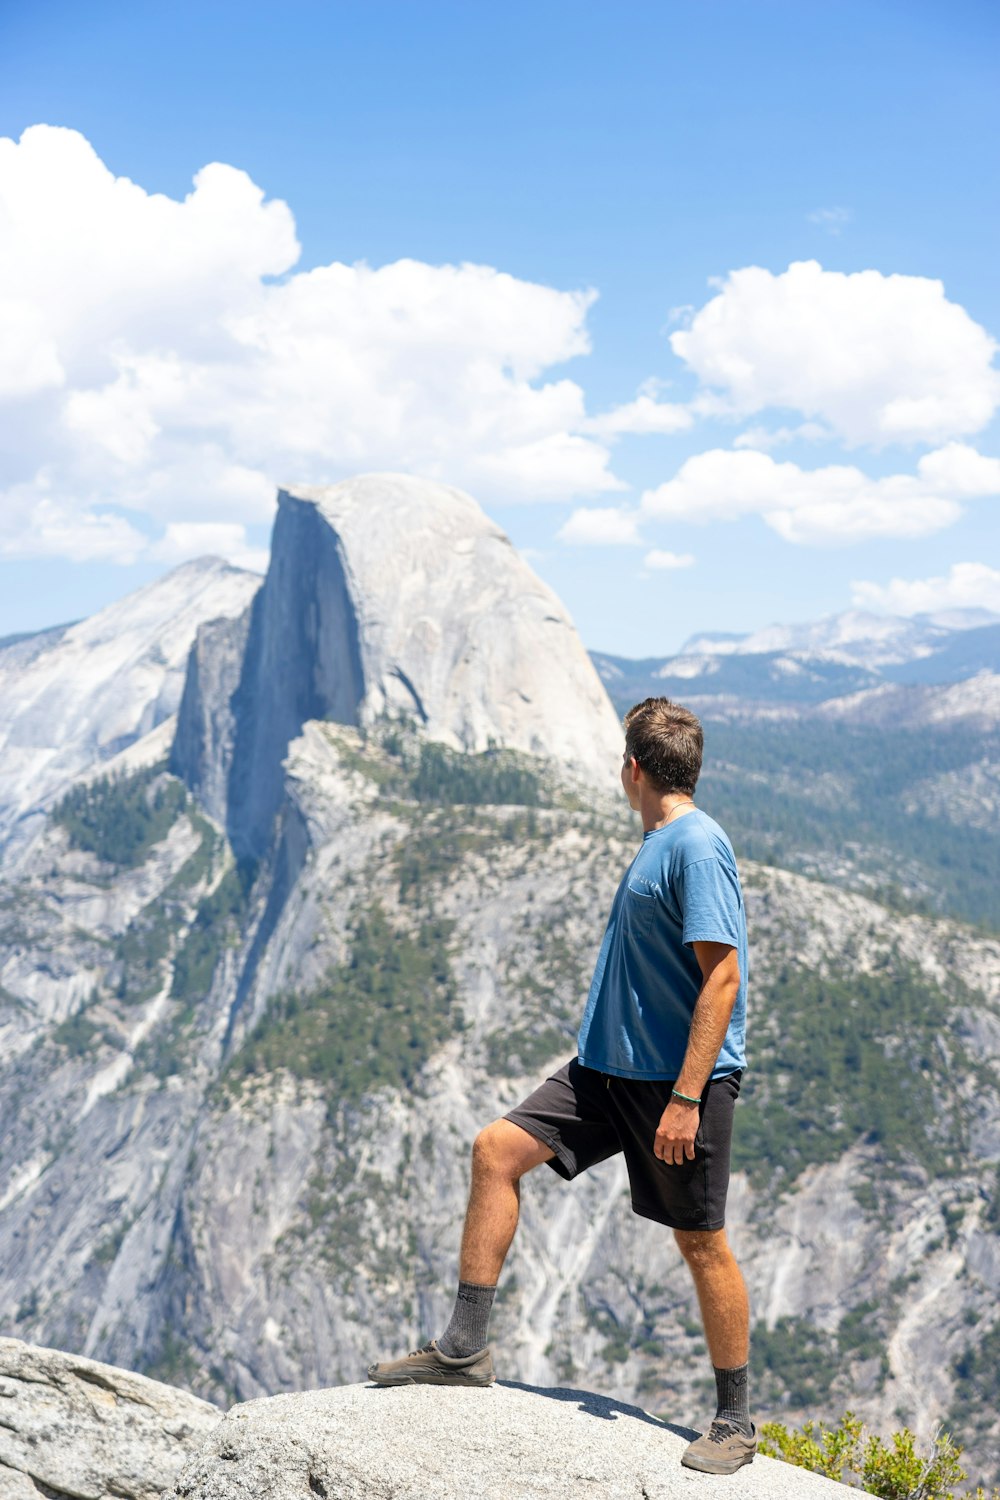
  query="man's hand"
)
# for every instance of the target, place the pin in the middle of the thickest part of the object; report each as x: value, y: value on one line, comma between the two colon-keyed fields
x: 674, y: 1139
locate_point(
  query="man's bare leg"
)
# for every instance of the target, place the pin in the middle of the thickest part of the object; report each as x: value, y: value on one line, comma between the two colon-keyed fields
x: 725, y: 1314
x: 501, y: 1155
x: 722, y: 1294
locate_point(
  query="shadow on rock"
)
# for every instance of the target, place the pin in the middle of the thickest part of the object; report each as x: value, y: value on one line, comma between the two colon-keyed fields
x: 600, y: 1406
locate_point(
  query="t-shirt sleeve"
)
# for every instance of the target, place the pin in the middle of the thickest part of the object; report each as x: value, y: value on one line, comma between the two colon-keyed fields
x: 710, y: 903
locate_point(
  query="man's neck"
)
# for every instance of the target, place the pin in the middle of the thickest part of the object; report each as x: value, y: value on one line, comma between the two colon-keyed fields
x: 657, y: 811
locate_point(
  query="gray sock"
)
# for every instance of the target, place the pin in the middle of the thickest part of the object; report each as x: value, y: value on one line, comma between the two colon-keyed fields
x: 468, y: 1330
x: 734, y: 1397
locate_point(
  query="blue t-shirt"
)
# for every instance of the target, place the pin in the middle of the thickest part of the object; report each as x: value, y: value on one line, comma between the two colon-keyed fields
x: 681, y: 888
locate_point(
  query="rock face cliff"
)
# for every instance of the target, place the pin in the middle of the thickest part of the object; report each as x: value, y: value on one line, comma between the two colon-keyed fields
x: 453, y: 628
x: 387, y: 596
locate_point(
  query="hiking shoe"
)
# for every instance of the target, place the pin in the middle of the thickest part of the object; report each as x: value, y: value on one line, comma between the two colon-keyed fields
x: 428, y: 1366
x: 721, y: 1450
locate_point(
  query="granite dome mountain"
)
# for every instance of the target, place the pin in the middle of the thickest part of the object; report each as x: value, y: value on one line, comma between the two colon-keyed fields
x: 386, y: 595
x: 327, y: 899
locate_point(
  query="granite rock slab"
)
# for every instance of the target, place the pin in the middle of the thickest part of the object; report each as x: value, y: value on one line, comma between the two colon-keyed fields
x: 77, y: 1428
x: 508, y: 1442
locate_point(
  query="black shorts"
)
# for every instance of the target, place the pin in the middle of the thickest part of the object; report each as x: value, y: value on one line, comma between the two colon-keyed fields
x: 586, y: 1116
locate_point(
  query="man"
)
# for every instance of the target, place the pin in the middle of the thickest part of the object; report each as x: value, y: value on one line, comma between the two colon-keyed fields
x: 660, y: 1057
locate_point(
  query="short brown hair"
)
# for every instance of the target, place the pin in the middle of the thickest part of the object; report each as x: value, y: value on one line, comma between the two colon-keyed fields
x: 667, y: 743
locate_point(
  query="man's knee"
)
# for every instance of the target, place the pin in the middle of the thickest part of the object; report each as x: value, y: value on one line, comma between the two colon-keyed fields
x: 703, y: 1248
x: 504, y: 1148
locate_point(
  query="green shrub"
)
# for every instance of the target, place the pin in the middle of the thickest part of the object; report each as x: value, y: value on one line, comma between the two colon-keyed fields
x: 197, y: 866
x: 76, y: 1034
x: 140, y: 952
x: 858, y: 1335
x: 762, y: 785
x: 515, y: 1051
x: 431, y: 853
x: 491, y: 777
x: 892, y: 1469
x: 977, y: 1380
x: 797, y: 1362
x: 835, y: 1062
x: 219, y: 919
x: 119, y: 818
x: 106, y: 1250
x: 618, y: 1336
x: 176, y: 1363
x: 374, y: 1022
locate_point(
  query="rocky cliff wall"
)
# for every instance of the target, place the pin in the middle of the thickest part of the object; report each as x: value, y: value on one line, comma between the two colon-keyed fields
x: 202, y: 749
x: 456, y: 630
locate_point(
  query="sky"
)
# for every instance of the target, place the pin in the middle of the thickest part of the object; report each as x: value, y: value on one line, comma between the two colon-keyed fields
x: 697, y: 298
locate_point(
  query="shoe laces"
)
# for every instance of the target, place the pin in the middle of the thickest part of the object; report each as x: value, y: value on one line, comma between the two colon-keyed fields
x: 424, y: 1349
x: 721, y: 1432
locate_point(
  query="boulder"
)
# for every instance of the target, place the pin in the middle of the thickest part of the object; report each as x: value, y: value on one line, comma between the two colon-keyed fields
x: 72, y: 1427
x: 508, y: 1442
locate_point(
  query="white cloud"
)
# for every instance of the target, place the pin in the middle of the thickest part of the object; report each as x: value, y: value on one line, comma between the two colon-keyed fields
x: 681, y: 315
x: 658, y: 559
x: 837, y: 503
x: 37, y: 521
x: 832, y: 220
x: 644, y: 415
x: 601, y: 527
x: 764, y: 439
x: 961, y: 471
x: 29, y: 360
x: 154, y: 364
x: 876, y: 358
x: 967, y: 585
x: 163, y: 366
x: 184, y: 539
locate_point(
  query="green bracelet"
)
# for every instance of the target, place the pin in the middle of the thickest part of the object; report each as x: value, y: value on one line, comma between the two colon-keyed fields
x: 676, y: 1094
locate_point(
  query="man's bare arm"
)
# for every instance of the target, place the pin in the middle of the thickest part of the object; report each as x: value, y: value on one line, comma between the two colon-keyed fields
x: 720, y: 975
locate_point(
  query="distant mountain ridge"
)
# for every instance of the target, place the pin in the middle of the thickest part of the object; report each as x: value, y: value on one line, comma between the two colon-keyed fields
x: 863, y: 749
x: 854, y: 635
x: 804, y: 665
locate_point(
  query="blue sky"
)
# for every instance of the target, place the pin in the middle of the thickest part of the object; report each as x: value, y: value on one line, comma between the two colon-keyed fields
x: 653, y: 154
